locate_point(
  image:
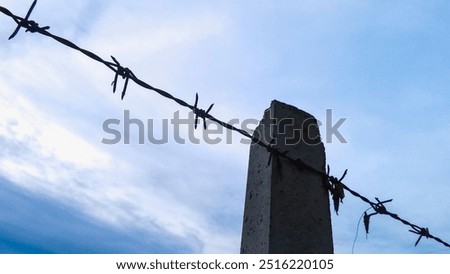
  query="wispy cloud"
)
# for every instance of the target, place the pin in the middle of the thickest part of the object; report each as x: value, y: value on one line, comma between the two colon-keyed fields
x: 56, y: 162
x: 58, y: 159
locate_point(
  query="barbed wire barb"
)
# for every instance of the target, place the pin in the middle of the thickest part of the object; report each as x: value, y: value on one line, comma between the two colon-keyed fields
x: 336, y: 189
x: 22, y: 23
x: 125, y: 73
x: 422, y: 232
x: 201, y: 113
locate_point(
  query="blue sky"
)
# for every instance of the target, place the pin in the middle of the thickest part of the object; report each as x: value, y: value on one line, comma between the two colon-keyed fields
x: 382, y: 65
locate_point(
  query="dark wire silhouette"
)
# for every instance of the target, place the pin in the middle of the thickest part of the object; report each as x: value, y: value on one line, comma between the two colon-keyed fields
x: 334, y: 185
x: 357, y: 229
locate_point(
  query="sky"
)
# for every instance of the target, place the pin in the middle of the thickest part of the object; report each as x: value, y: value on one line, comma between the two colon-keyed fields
x: 382, y: 65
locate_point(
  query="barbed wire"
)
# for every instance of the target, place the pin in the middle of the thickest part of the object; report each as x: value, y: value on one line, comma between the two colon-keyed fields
x: 334, y: 185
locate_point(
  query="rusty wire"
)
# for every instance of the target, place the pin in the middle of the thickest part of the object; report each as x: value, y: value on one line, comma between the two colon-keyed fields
x: 334, y: 185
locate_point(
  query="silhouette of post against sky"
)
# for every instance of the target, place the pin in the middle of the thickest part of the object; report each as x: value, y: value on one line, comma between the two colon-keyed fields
x: 287, y: 209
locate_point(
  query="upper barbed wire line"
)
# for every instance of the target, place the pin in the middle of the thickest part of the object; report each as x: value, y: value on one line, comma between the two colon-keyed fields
x: 334, y: 185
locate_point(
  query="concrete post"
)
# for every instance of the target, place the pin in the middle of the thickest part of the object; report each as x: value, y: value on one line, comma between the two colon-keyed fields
x: 287, y: 210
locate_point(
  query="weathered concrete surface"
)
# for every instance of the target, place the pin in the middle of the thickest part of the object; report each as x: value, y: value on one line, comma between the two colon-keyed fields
x: 286, y: 209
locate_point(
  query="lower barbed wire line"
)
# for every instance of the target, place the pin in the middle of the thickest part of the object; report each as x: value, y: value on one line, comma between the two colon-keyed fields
x: 299, y: 163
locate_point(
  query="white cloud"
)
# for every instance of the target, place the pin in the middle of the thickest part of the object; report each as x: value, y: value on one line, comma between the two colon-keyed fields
x: 56, y: 161
x: 22, y: 122
x: 137, y: 34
